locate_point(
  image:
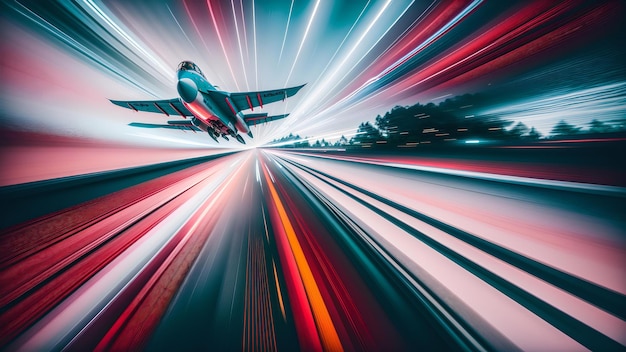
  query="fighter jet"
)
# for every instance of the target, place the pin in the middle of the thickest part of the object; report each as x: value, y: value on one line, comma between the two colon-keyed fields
x: 210, y: 110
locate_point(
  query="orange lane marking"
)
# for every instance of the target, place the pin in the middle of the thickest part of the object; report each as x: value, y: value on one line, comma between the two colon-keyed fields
x: 280, y: 295
x: 325, y: 326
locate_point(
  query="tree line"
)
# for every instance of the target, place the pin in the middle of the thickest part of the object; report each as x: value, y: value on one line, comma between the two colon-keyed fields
x: 449, y: 121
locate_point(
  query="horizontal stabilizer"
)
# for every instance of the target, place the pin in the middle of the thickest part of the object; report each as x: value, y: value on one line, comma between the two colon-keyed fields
x: 253, y: 119
x: 180, y: 123
x: 169, y: 126
x: 254, y: 116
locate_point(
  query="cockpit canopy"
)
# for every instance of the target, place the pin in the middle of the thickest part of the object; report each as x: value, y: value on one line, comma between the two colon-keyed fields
x: 188, y: 65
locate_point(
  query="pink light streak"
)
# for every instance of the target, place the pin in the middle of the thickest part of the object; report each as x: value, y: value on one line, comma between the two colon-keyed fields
x: 219, y: 37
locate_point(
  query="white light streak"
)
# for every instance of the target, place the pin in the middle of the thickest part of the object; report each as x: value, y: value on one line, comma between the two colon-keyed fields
x: 322, y: 89
x: 306, y: 33
x: 256, y: 63
x: 173, y: 140
x: 258, y: 177
x: 269, y: 173
x: 243, y: 27
x: 243, y: 65
x: 331, y: 136
x: 79, y: 47
x: 286, y: 29
x: 325, y: 111
x: 603, y: 103
x: 165, y: 70
x: 219, y: 38
x: 412, y: 53
x: 181, y: 28
x: 341, y: 44
x: 431, y: 39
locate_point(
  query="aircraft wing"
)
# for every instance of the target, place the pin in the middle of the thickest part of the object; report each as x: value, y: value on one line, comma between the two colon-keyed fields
x: 167, y: 107
x: 250, y: 100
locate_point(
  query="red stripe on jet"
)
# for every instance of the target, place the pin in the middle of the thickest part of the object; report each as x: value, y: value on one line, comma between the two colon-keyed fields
x: 132, y: 107
x: 160, y: 108
x: 249, y: 103
x: 230, y: 106
x: 258, y: 96
x: 178, y: 111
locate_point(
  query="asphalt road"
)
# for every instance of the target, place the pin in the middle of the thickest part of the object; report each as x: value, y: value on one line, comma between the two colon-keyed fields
x: 270, y: 249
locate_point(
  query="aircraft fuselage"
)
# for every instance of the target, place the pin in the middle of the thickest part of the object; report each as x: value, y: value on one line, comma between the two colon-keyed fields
x: 195, y: 93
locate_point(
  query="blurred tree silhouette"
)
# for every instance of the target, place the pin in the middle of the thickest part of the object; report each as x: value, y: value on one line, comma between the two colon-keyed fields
x: 298, y: 142
x: 596, y: 126
x: 618, y: 125
x: 366, y: 133
x: 520, y: 130
x: 564, y: 129
x: 341, y: 141
x: 533, y: 134
x: 448, y: 121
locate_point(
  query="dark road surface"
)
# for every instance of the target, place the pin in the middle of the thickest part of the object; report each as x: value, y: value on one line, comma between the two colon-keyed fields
x: 275, y: 250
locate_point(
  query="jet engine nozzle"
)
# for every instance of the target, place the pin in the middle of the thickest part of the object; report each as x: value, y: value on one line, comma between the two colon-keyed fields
x: 187, y: 89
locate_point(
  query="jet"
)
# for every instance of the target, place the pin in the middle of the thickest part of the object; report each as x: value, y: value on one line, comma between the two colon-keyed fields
x: 216, y: 112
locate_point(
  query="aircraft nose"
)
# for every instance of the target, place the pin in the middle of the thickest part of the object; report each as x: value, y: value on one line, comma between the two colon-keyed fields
x: 187, y: 89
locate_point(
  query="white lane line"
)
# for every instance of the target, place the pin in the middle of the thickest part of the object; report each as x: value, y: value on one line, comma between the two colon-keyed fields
x: 555, y: 184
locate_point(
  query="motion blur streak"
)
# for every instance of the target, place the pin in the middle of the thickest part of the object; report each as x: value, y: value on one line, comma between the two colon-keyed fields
x: 306, y: 33
x: 312, y: 258
x: 330, y: 340
x: 128, y: 247
x: 402, y: 205
x: 219, y: 36
x: 440, y: 224
x: 282, y: 47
